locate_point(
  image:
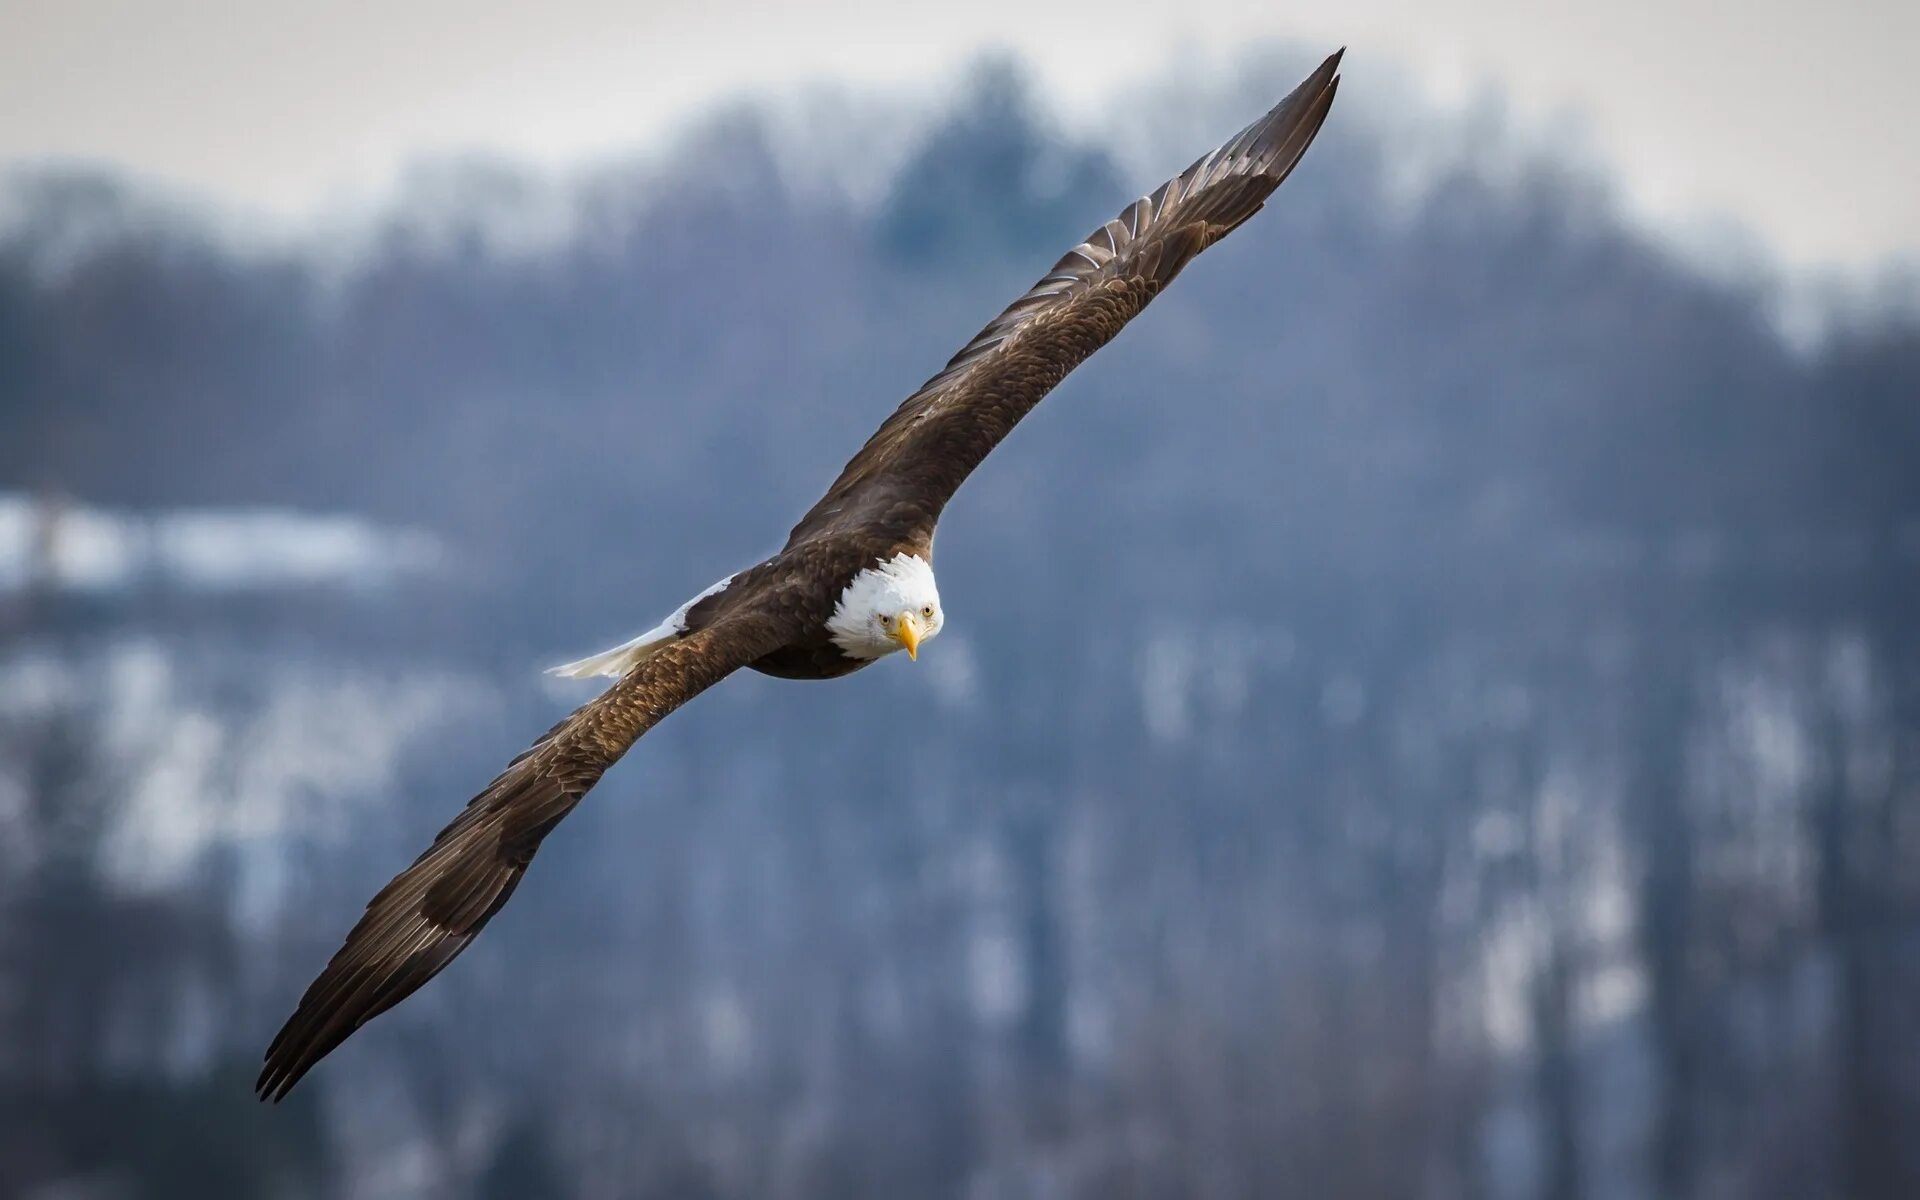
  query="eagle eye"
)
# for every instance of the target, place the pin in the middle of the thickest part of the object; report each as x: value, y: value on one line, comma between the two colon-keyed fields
x: 926, y: 611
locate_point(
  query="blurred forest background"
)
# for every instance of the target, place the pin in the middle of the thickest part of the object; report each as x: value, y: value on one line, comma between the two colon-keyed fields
x: 1433, y: 711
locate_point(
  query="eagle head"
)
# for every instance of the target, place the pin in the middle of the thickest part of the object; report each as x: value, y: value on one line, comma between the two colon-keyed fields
x: 892, y: 605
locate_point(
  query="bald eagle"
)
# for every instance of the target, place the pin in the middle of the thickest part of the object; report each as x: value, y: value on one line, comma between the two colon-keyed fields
x: 853, y: 584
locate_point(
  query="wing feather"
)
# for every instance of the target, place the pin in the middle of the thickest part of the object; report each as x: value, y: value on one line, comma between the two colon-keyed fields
x: 926, y: 449
x: 431, y: 911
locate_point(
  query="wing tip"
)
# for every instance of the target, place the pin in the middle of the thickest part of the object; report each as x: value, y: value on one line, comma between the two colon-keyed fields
x: 276, y: 1080
x: 1316, y: 90
x: 1324, y: 76
x: 1281, y: 138
x: 291, y: 1055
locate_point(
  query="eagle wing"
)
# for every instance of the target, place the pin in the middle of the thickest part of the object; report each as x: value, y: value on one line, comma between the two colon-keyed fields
x: 431, y: 911
x: 934, y: 440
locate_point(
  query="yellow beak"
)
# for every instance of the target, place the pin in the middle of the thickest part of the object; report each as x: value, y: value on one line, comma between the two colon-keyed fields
x: 907, y: 632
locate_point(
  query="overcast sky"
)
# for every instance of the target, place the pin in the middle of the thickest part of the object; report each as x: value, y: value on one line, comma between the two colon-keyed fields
x: 1800, y: 121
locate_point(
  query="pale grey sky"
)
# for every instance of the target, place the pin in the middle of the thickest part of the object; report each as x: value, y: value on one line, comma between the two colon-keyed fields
x: 1798, y: 120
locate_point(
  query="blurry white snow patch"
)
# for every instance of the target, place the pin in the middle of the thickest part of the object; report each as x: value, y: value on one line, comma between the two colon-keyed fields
x: 1186, y: 674
x: 726, y: 1025
x: 233, y: 550
x: 954, y: 671
x: 70, y: 547
x: 319, y: 745
x: 310, y: 744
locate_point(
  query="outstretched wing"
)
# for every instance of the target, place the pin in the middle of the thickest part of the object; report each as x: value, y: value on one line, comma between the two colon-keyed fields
x: 936, y: 438
x: 432, y: 910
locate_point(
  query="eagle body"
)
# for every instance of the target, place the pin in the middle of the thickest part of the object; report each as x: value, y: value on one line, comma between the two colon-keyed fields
x: 815, y: 585
x: 853, y: 583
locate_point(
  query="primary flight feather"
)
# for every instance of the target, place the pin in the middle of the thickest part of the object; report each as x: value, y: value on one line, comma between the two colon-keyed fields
x: 853, y: 584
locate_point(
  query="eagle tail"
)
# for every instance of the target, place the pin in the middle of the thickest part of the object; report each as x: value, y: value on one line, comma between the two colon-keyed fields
x: 615, y: 663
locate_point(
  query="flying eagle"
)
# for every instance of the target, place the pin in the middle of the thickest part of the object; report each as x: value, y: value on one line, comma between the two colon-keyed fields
x: 853, y: 584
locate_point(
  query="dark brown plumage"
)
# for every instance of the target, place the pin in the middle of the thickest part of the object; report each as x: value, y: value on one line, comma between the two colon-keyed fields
x: 773, y: 617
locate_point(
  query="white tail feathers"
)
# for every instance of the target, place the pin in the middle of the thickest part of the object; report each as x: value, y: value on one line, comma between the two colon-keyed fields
x: 615, y: 663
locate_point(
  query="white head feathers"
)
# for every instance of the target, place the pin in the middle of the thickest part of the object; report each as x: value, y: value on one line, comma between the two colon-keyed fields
x: 881, y: 600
